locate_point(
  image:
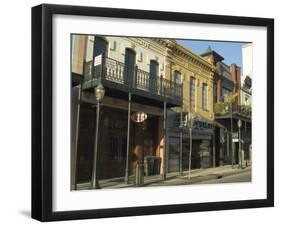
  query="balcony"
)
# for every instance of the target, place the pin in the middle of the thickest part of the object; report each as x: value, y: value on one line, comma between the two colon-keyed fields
x: 225, y: 110
x: 118, y: 80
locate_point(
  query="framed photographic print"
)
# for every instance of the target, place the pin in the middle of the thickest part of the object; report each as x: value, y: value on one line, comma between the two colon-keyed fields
x: 146, y: 112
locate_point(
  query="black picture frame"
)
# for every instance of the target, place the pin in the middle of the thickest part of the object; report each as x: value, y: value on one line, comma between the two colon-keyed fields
x: 42, y: 111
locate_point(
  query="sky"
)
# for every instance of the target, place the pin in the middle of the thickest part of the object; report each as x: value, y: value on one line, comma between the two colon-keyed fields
x: 230, y: 51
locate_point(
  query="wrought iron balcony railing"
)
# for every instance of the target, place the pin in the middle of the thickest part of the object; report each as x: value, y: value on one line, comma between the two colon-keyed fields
x: 228, y: 109
x: 133, y: 78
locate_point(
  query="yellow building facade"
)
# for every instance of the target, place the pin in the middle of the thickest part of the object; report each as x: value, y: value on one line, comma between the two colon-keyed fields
x: 189, y: 66
x: 196, y: 75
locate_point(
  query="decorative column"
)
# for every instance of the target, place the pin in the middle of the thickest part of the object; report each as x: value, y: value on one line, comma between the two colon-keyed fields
x: 75, y: 135
x: 165, y: 143
x: 214, y: 146
x: 128, y: 140
x: 231, y: 130
x: 227, y: 145
x: 219, y: 90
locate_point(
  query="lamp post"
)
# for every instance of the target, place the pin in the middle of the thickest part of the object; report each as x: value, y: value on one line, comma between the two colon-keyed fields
x: 231, y: 131
x: 222, y: 159
x: 240, y: 151
x: 189, y: 123
x: 99, y: 94
x: 181, y: 137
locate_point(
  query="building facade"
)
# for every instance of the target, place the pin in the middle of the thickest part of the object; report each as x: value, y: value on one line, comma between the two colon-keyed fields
x: 152, y: 86
x: 133, y: 73
x: 246, y: 78
x: 196, y: 75
x: 230, y: 148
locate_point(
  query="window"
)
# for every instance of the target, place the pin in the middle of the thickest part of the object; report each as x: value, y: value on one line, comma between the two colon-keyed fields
x: 153, y: 68
x: 100, y: 47
x: 215, y: 92
x: 117, y: 147
x: 225, y: 93
x: 177, y: 77
x: 153, y: 72
x: 192, y: 94
x: 130, y: 61
x: 113, y: 147
x: 204, y: 97
x: 117, y: 141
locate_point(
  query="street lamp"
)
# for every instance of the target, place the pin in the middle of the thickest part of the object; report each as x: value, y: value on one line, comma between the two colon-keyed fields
x: 99, y: 94
x: 189, y: 122
x: 222, y: 158
x: 231, y: 131
x: 181, y: 137
x: 239, y: 123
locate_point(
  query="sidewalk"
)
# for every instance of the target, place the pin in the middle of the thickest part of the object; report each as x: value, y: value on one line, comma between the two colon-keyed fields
x: 196, y: 176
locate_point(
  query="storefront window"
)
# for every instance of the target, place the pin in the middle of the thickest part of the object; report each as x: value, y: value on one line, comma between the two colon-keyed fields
x: 113, y: 150
x: 117, y: 137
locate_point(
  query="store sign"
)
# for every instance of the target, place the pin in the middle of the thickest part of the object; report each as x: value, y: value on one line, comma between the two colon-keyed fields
x: 235, y: 137
x: 98, y: 60
x: 139, y: 117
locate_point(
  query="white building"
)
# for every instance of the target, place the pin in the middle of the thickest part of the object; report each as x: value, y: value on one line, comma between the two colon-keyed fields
x: 246, y: 78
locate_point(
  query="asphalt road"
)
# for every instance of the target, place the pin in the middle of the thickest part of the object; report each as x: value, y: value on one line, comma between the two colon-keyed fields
x: 241, y: 177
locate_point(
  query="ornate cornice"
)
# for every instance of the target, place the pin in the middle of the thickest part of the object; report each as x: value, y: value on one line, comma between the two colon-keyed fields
x: 181, y: 51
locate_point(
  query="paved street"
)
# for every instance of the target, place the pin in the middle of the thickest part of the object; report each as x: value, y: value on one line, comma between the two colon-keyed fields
x: 209, y: 176
x: 241, y: 177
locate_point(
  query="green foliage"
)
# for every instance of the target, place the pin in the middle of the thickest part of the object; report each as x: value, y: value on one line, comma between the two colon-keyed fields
x: 230, y: 98
x: 219, y: 108
x: 246, y: 109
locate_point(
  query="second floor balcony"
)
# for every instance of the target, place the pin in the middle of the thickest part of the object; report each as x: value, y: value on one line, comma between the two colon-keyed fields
x: 225, y: 110
x: 118, y: 80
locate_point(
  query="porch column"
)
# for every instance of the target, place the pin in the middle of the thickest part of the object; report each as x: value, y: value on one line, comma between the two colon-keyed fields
x: 231, y: 130
x: 165, y: 142
x: 128, y: 140
x: 227, y: 145
x: 75, y: 137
